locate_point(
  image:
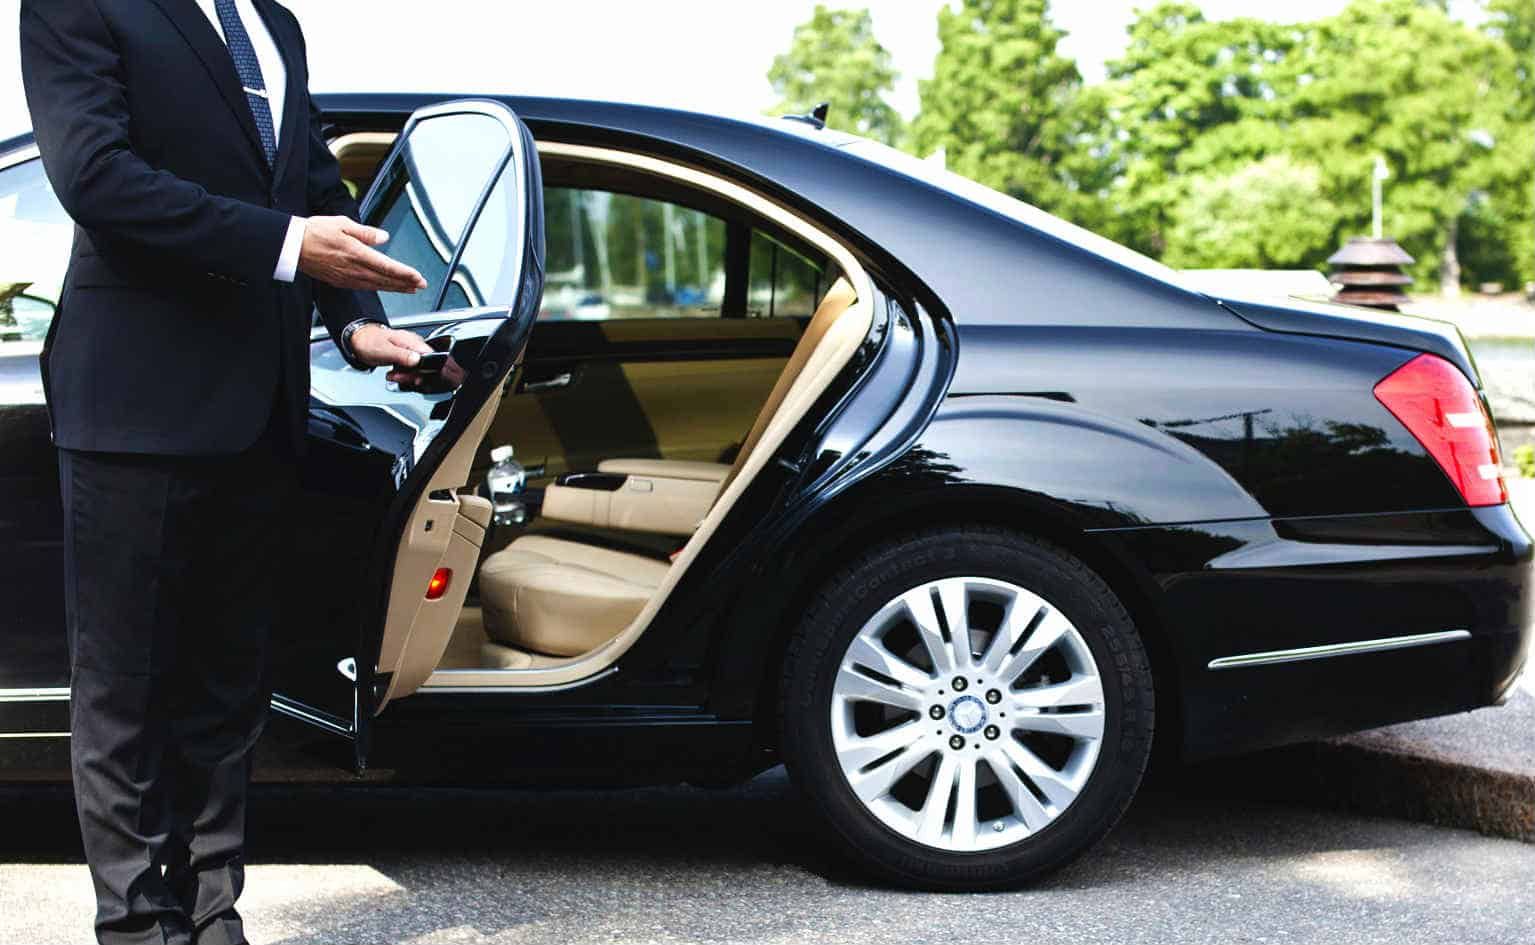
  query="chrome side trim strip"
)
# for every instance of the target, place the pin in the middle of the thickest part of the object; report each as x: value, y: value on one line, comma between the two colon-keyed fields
x: 60, y: 694
x: 22, y: 155
x: 324, y: 720
x: 1304, y: 653
x: 4, y: 735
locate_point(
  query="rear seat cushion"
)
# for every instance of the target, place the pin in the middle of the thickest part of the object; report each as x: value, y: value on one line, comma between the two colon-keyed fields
x: 563, y: 598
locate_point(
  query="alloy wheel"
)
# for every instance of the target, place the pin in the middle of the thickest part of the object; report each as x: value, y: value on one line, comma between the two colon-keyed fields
x: 967, y: 714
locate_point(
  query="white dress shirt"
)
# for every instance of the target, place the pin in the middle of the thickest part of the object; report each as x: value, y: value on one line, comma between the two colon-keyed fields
x: 275, y: 74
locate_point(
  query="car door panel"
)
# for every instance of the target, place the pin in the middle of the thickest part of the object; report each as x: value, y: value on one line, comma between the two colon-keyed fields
x: 380, y: 504
x: 639, y: 388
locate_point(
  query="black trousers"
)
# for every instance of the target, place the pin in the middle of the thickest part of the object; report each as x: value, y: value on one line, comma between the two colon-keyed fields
x: 171, y: 582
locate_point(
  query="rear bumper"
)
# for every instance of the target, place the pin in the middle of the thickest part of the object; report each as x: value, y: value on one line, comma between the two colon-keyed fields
x: 1306, y: 628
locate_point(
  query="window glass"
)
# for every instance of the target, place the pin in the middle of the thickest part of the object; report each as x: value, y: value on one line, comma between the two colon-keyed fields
x: 784, y: 283
x: 35, y: 236
x: 612, y: 255
x: 427, y: 199
x: 489, y: 267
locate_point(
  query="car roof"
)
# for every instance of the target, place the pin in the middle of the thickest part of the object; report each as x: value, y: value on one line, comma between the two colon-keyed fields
x: 987, y: 257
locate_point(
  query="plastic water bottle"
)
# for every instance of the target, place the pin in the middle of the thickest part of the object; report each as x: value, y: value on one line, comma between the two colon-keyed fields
x: 505, y: 482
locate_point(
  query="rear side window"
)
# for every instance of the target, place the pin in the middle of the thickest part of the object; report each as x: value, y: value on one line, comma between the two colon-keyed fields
x: 785, y: 283
x: 615, y: 256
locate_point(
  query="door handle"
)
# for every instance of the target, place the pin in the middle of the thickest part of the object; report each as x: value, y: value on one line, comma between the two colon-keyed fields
x: 557, y: 381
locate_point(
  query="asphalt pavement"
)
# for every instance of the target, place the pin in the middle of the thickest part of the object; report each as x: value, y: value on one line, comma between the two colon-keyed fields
x: 1196, y: 860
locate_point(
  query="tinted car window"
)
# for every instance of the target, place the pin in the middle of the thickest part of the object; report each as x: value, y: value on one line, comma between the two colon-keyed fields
x: 35, y: 235
x: 785, y: 283
x: 427, y: 198
x: 614, y: 255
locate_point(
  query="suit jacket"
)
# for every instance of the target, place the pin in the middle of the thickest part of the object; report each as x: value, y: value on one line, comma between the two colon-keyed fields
x: 172, y: 336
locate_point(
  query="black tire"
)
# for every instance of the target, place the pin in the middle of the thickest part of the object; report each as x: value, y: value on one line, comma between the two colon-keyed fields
x: 854, y: 595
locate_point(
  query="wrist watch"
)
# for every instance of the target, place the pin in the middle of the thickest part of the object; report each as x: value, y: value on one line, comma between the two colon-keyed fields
x: 344, y: 343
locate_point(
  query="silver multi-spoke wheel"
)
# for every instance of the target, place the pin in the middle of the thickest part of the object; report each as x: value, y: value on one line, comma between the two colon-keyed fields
x: 967, y: 714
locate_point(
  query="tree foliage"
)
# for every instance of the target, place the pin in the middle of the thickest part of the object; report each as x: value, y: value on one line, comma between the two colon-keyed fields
x: 834, y: 57
x: 1001, y: 102
x: 1245, y: 142
x: 1268, y: 214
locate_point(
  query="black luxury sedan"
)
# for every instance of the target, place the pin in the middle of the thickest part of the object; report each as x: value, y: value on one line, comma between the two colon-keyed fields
x: 753, y: 442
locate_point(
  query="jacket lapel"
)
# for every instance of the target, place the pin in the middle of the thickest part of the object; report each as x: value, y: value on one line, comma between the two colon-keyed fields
x: 294, y: 121
x: 194, y: 27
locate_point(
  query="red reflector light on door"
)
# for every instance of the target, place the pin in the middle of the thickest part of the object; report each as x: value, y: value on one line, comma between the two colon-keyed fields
x: 1439, y: 406
x: 438, y: 585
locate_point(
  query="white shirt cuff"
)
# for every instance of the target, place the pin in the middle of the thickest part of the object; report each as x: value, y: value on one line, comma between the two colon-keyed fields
x: 287, y: 260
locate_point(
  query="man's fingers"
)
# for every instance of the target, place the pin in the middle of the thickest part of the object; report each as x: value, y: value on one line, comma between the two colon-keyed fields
x: 370, y: 235
x: 410, y: 341
x: 397, y: 272
x: 366, y: 280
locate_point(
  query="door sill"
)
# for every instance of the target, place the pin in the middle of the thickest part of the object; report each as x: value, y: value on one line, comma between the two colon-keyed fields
x: 468, y: 681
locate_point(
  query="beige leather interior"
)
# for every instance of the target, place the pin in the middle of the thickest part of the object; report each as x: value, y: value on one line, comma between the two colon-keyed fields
x: 641, y: 504
x: 669, y: 497
x: 565, y: 598
x: 684, y: 469
x: 814, y: 368
x: 562, y: 597
x: 442, y: 533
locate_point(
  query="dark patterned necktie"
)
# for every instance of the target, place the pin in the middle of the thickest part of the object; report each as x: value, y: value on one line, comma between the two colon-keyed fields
x: 249, y: 68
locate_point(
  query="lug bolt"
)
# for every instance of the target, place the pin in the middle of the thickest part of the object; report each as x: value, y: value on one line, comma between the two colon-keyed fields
x: 936, y: 712
x: 992, y: 732
x: 997, y: 826
x: 993, y: 696
x: 957, y: 742
x: 960, y: 683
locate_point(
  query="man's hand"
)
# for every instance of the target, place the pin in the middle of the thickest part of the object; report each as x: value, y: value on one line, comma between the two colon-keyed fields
x: 339, y: 251
x: 381, y: 346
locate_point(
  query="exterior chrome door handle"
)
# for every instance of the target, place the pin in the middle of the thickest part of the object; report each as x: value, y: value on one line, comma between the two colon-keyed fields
x: 558, y: 380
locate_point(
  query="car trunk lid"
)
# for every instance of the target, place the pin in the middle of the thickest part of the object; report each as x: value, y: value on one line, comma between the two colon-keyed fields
x: 1315, y: 317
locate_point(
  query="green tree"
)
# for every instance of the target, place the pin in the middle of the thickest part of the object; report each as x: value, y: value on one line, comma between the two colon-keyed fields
x: 1190, y: 98
x: 1513, y: 21
x: 1270, y: 214
x: 1401, y: 79
x: 834, y: 57
x: 1003, y: 105
x: 1508, y: 210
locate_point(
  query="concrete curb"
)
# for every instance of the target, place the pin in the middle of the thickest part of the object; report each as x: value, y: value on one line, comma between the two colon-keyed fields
x: 1365, y: 774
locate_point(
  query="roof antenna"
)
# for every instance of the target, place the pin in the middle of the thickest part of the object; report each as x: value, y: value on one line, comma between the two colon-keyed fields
x: 817, y: 116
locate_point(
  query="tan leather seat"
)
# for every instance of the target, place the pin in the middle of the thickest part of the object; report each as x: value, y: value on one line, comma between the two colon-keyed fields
x: 565, y: 598
x: 562, y: 597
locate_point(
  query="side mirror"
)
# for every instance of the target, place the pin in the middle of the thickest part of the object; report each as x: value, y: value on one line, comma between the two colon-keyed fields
x: 24, y: 316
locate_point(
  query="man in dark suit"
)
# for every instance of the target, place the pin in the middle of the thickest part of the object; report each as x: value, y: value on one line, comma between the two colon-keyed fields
x: 211, y: 220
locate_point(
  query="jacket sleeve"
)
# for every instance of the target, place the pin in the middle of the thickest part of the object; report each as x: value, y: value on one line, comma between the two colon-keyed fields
x: 73, y: 77
x: 328, y: 196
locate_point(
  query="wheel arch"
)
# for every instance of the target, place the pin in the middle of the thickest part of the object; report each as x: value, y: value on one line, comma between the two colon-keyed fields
x: 875, y: 514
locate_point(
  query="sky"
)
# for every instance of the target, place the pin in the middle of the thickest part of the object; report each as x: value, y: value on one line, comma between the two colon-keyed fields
x: 709, y: 55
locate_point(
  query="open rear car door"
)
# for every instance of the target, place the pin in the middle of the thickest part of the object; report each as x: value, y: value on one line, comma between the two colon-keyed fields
x: 386, y: 546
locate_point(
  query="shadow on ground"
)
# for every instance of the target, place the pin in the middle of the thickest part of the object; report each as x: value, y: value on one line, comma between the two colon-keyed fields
x: 1199, y: 857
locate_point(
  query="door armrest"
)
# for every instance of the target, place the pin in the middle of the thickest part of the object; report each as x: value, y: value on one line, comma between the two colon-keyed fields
x: 667, y: 469
x: 634, y: 502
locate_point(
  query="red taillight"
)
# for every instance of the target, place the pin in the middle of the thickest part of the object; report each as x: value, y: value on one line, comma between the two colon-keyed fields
x: 438, y: 585
x: 1439, y: 406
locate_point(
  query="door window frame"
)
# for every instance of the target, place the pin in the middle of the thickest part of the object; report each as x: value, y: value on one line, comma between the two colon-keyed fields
x: 514, y: 154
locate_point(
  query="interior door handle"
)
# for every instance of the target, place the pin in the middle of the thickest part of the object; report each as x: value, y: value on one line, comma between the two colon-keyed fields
x: 558, y: 380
